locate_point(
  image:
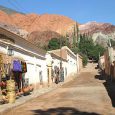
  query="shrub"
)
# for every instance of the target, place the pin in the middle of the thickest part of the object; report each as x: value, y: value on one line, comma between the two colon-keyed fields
x: 84, y: 60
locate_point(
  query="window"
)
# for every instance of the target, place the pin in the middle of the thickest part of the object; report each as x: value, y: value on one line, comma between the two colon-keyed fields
x: 40, y: 77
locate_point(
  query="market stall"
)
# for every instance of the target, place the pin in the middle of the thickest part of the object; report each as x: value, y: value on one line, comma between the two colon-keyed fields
x: 12, y: 78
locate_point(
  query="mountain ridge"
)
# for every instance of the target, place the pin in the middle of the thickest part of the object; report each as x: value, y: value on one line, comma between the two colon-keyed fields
x: 43, y: 27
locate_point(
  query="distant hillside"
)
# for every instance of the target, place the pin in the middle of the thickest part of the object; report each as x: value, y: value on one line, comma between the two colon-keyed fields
x: 100, y: 32
x: 39, y: 29
x: 8, y: 10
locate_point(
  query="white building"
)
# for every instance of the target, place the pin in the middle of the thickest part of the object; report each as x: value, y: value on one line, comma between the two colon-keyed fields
x: 70, y: 64
x: 57, y: 61
x: 32, y: 55
x: 38, y: 61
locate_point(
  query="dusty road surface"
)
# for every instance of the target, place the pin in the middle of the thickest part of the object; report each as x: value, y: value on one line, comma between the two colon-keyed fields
x: 85, y: 95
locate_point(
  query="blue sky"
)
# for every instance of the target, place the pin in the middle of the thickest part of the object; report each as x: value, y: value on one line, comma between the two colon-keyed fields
x: 81, y: 11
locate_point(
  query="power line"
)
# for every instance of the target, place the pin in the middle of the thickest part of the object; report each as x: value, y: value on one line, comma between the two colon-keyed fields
x: 17, y: 6
x: 11, y: 3
x: 16, y: 2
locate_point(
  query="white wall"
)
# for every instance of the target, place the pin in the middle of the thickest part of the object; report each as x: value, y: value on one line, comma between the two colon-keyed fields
x: 64, y: 65
x: 56, y: 62
x: 72, y: 64
x: 34, y: 65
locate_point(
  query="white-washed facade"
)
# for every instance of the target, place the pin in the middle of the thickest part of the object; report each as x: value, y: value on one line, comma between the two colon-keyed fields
x: 29, y: 53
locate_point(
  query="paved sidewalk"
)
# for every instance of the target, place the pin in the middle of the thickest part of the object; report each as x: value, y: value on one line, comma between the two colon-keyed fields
x: 21, y: 100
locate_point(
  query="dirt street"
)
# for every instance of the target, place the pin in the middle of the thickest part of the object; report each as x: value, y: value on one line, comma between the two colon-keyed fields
x: 85, y: 95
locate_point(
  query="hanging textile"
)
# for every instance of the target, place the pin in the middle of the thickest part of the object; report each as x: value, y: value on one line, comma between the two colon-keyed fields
x: 6, y: 59
x: 17, y: 66
x: 8, y: 69
x: 1, y: 62
x: 3, y: 72
x: 0, y: 73
x: 0, y: 76
x: 23, y: 80
x: 5, y: 65
x: 17, y: 79
x: 1, y: 59
x: 24, y: 67
x: 2, y: 67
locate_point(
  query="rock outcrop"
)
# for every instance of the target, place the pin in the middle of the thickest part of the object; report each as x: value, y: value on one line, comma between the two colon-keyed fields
x: 100, y: 32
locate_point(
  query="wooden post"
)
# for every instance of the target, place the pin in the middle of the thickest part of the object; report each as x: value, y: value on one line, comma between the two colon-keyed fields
x: 49, y: 71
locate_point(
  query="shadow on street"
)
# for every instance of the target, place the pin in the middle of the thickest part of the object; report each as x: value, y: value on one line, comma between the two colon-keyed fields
x: 109, y: 85
x: 62, y: 111
x: 100, y: 75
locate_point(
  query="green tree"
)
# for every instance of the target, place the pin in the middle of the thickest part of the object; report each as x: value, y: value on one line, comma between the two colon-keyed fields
x: 98, y: 50
x: 67, y: 40
x: 84, y: 60
x: 75, y: 50
x: 87, y: 47
x: 74, y: 37
x: 56, y: 43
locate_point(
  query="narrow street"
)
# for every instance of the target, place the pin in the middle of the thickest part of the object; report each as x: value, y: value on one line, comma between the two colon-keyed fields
x: 85, y: 95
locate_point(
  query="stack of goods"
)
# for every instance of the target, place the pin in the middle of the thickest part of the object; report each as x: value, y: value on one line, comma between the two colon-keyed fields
x: 11, y: 91
x: 3, y: 92
x: 28, y: 89
x: 5, y: 73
